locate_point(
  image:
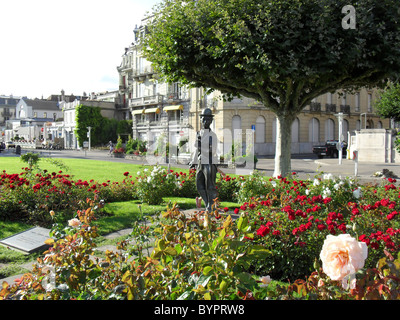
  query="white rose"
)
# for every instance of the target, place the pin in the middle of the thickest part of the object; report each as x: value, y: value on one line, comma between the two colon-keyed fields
x: 328, y: 176
x: 74, y: 223
x: 336, y: 186
x: 266, y: 280
x: 342, y: 256
x: 326, y: 193
x: 357, y: 193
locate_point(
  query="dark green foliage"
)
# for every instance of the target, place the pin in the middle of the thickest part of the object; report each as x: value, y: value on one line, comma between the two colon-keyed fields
x: 388, y: 105
x: 103, y: 129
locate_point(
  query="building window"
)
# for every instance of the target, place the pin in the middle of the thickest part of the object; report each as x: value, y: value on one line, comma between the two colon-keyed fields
x: 236, y: 125
x: 345, y: 129
x: 260, y: 130
x: 369, y: 102
x: 344, y: 100
x: 329, y: 129
x: 141, y: 90
x: 155, y: 88
x: 357, y: 102
x: 313, y: 130
x: 295, y: 130
x: 329, y: 98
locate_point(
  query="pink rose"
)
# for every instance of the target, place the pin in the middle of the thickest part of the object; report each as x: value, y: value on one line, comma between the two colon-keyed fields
x: 342, y: 256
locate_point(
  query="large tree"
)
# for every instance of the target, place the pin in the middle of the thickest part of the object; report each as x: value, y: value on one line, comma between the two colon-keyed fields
x: 282, y: 53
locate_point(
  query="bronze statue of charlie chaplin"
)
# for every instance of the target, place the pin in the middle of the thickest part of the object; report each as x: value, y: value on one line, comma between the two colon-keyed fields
x: 205, y: 157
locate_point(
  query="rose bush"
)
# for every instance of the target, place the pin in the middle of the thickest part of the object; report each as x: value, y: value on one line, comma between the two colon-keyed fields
x: 294, y: 217
x: 152, y: 185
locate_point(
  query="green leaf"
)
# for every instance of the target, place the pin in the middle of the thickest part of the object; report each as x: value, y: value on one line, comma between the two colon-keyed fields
x: 170, y: 251
x: 207, y: 270
x: 258, y: 252
x: 203, y: 280
x: 185, y: 295
x: 242, y: 223
x: 223, y: 286
x: 161, y: 244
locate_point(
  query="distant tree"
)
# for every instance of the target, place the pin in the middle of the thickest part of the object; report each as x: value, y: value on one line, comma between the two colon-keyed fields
x: 388, y: 103
x: 282, y: 53
x: 103, y: 129
x: 88, y: 117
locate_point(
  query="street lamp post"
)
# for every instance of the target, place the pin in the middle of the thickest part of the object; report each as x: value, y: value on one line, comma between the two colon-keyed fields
x: 89, y: 136
x: 340, y: 134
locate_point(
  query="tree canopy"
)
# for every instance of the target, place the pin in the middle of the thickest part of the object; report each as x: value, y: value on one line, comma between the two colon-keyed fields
x: 388, y: 104
x: 282, y: 53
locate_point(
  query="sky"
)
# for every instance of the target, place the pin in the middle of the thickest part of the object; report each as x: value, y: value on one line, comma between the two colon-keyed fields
x: 73, y: 45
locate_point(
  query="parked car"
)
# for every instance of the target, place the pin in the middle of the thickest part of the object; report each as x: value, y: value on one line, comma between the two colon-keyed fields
x: 10, y: 144
x: 330, y: 149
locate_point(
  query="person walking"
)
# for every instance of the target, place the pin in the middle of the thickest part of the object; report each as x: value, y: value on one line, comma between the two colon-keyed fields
x: 110, y: 144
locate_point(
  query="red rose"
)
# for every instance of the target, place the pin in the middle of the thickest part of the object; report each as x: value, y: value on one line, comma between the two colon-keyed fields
x: 263, y: 231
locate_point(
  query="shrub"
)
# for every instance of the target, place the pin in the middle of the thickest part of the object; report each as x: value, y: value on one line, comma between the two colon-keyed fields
x: 186, y: 184
x: 253, y: 185
x: 152, y: 186
x: 228, y: 187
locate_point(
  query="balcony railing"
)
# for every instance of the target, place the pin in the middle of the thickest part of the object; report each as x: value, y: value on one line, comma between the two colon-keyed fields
x: 142, y: 73
x: 345, y: 109
x: 146, y: 101
x: 330, y: 107
x: 315, y: 107
x: 177, y: 96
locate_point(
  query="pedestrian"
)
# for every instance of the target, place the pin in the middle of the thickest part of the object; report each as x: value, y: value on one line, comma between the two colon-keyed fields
x: 110, y: 144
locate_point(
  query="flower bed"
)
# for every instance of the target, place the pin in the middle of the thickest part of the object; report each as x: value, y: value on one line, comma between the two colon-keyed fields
x: 29, y: 196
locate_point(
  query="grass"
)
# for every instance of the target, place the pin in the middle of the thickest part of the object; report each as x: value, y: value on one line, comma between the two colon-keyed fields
x: 121, y: 215
x: 98, y: 170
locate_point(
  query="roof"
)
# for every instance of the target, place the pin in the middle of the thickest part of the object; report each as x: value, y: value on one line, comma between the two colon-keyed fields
x: 43, y: 104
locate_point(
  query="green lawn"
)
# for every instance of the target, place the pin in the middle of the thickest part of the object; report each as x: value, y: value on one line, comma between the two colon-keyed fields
x: 99, y: 171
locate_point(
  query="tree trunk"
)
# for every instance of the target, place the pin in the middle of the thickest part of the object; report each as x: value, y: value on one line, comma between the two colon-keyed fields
x: 283, y: 152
